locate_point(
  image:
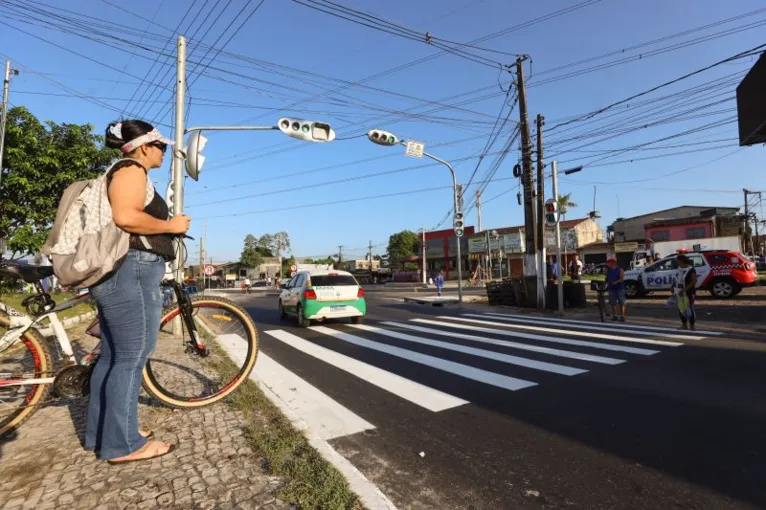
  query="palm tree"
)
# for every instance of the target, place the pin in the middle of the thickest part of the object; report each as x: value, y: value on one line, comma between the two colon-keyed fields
x: 565, y: 202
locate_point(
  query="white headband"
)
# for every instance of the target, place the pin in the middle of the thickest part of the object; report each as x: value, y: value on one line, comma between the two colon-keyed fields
x: 152, y: 136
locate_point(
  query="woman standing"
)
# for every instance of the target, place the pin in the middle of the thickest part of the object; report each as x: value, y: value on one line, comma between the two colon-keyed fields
x: 686, y: 292
x: 129, y: 300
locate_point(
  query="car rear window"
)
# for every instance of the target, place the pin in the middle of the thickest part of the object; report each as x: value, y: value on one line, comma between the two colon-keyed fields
x: 330, y: 280
x: 723, y: 259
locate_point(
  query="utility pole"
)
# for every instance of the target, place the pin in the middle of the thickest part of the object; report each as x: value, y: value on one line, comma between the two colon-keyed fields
x: 560, y: 276
x: 478, y: 206
x: 425, y: 265
x: 527, y: 177
x: 540, y: 233
x: 340, y: 255
x: 6, y: 89
x: 747, y: 238
x: 178, y: 158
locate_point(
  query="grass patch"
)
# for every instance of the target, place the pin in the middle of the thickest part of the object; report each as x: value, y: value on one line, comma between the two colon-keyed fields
x: 14, y: 300
x: 312, y: 482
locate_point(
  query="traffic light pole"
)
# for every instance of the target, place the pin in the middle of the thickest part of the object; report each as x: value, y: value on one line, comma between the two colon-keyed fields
x: 457, y: 208
x: 560, y: 275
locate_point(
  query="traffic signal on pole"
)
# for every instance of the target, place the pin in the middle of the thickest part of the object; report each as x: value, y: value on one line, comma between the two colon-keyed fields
x: 382, y: 137
x: 306, y: 130
x: 458, y: 224
x: 170, y: 197
x: 551, y: 212
x: 194, y: 157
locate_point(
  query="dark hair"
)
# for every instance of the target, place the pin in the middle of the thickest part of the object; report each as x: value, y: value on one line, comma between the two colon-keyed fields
x: 131, y: 129
x: 684, y: 259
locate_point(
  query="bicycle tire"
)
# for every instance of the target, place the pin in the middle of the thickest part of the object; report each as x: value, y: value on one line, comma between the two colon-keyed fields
x: 151, y: 384
x: 35, y: 343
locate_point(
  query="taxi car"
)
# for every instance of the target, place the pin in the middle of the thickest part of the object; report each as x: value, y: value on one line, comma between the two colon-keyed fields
x: 320, y: 295
x: 722, y: 272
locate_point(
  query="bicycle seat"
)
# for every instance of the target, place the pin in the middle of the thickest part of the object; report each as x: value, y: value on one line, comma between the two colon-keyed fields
x: 26, y: 272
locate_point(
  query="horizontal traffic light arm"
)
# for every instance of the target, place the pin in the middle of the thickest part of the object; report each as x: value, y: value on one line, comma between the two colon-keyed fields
x: 230, y: 128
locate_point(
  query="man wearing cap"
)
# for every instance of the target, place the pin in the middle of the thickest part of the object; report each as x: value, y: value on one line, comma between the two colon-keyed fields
x: 615, y: 283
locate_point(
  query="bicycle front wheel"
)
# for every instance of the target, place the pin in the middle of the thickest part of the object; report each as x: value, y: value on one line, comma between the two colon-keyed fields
x: 177, y: 375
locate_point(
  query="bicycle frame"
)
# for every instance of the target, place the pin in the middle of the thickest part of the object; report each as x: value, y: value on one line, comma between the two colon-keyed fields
x: 20, y: 323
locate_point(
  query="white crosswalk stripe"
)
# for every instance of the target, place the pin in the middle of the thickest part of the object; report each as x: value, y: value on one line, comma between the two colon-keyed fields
x: 417, y: 393
x: 620, y: 326
x: 514, y: 345
x: 541, y: 338
x: 469, y: 372
x: 512, y: 360
x: 582, y: 325
x: 559, y: 331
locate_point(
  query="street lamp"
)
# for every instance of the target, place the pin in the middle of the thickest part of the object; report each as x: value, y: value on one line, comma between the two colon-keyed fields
x: 415, y: 149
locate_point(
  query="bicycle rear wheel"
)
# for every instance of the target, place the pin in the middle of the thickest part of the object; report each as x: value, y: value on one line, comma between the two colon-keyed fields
x: 28, y: 358
x: 177, y: 375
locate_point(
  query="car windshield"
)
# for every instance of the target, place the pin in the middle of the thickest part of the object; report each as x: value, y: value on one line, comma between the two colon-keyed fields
x: 329, y: 280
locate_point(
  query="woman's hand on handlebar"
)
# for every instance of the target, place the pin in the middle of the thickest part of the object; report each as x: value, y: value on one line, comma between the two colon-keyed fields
x: 179, y: 224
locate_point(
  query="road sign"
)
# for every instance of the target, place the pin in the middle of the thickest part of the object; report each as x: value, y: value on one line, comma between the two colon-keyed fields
x: 292, y: 274
x: 293, y: 268
x: 209, y: 270
x: 415, y: 149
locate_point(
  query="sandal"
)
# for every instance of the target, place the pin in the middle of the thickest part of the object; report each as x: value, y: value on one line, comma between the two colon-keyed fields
x: 146, y: 434
x: 148, y: 446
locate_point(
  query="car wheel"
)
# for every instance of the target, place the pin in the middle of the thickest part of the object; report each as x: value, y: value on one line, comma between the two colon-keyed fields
x: 282, y: 313
x: 632, y: 290
x: 357, y: 320
x: 303, y: 322
x: 724, y: 288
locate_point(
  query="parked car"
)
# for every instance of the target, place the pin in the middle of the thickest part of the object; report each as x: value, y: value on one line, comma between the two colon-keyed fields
x: 722, y: 272
x: 319, y: 295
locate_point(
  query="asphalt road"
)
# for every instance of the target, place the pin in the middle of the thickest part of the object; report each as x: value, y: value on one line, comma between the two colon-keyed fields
x: 639, y: 420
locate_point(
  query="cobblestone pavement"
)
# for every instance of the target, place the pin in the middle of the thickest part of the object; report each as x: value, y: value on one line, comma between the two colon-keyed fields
x: 44, y: 466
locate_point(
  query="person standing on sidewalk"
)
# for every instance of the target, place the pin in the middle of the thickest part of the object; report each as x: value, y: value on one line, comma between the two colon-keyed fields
x: 686, y: 292
x: 129, y: 300
x: 439, y: 281
x: 615, y: 284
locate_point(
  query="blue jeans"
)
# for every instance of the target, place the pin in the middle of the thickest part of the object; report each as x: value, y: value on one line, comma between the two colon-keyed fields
x: 129, y: 310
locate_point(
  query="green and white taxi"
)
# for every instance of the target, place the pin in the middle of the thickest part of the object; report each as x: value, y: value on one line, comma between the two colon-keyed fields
x: 319, y: 295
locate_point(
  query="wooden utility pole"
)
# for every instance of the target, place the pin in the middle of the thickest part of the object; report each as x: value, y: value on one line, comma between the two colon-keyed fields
x: 540, y: 232
x: 527, y: 177
x: 747, y: 239
x: 425, y: 265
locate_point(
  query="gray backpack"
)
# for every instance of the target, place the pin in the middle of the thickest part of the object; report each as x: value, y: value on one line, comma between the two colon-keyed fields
x: 84, y: 244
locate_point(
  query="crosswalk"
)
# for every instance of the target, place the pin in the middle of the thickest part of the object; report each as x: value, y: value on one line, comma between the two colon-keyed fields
x: 505, y: 351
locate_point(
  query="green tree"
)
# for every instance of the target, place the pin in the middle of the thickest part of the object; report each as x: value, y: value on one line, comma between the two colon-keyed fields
x: 402, y: 246
x: 565, y: 202
x: 250, y: 256
x: 41, y: 159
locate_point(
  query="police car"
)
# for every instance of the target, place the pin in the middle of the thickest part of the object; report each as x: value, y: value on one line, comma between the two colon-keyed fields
x: 319, y: 295
x: 724, y: 273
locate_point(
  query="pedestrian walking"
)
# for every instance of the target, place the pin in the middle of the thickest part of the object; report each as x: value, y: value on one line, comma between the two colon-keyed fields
x: 575, y: 268
x: 615, y: 284
x: 129, y: 300
x: 686, y: 292
x: 439, y: 280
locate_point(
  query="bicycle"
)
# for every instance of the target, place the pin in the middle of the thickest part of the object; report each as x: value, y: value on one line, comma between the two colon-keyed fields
x: 600, y: 288
x: 184, y: 371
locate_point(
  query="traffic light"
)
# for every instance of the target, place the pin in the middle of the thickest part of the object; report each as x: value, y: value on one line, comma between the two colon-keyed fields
x: 551, y: 212
x: 170, y: 198
x: 458, y: 224
x: 194, y: 157
x: 382, y: 137
x: 306, y: 130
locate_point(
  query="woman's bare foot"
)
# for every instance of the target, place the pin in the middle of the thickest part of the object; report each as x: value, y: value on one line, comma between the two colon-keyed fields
x: 151, y: 450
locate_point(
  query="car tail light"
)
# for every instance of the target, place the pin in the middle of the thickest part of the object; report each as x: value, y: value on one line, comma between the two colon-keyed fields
x: 360, y: 292
x: 309, y: 294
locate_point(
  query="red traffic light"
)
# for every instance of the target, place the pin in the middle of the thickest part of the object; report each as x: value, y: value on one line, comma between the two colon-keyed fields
x: 550, y: 208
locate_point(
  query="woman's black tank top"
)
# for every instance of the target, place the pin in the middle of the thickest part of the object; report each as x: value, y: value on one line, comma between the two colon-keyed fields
x: 159, y: 244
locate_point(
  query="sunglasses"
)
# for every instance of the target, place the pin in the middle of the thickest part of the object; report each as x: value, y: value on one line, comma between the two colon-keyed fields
x: 161, y: 146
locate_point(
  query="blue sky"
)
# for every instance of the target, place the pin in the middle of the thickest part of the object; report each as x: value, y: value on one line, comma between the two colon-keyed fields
x: 258, y: 182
